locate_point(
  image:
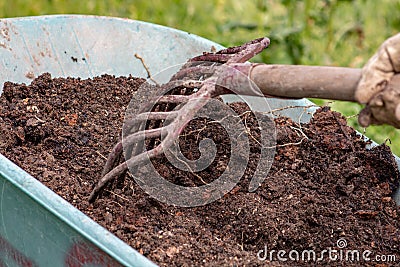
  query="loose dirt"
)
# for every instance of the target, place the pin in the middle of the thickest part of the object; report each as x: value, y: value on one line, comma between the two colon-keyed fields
x: 324, y: 187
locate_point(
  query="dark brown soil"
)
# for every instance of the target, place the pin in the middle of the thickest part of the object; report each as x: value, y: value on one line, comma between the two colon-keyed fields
x: 324, y: 184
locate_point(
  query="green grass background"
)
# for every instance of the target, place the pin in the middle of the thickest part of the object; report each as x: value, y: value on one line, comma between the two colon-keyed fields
x: 330, y: 32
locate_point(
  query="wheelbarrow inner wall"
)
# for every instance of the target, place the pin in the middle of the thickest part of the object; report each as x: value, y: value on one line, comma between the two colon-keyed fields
x: 37, y: 227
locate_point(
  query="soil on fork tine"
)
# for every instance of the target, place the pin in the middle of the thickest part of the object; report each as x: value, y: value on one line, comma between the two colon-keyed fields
x: 324, y: 186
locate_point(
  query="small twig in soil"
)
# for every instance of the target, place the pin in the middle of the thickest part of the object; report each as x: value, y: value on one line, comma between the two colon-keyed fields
x: 298, y: 129
x: 39, y: 120
x: 351, y: 116
x: 290, y: 107
x: 290, y: 144
x: 247, y: 131
x: 146, y: 68
x: 115, y: 202
x: 241, y: 245
x: 198, y: 133
x: 191, y: 171
x: 130, y: 184
x: 239, y: 211
x: 387, y: 140
x: 101, y: 155
x: 115, y: 194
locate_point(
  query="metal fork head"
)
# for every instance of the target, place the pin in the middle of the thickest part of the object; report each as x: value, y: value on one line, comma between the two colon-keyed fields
x: 162, y: 114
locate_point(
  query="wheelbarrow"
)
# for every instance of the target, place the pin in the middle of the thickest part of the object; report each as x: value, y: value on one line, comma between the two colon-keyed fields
x: 38, y: 227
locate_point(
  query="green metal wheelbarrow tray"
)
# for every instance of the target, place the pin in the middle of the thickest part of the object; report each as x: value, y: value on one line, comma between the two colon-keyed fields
x: 38, y: 227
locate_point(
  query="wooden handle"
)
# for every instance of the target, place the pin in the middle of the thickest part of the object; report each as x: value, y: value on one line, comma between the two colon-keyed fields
x: 296, y: 81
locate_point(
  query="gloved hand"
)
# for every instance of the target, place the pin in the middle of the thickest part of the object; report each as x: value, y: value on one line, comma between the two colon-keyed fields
x: 382, y: 102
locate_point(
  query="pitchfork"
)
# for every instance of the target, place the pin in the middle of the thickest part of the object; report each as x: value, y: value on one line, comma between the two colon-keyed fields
x: 210, y: 75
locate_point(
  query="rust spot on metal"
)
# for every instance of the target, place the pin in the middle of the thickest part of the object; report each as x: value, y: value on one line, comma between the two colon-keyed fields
x: 5, y: 33
x: 36, y: 60
x: 45, y: 30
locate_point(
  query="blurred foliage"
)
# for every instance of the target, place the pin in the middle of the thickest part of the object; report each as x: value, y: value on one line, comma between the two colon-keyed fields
x: 311, y: 32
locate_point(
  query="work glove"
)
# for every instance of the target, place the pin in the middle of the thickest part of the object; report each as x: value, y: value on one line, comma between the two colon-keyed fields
x: 381, y: 98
